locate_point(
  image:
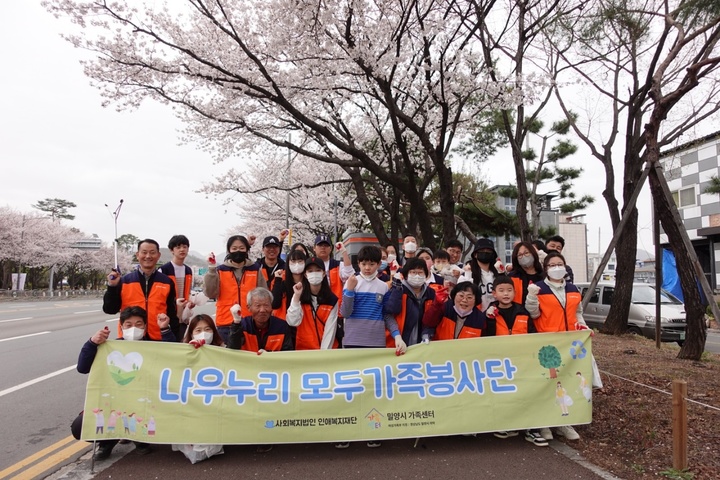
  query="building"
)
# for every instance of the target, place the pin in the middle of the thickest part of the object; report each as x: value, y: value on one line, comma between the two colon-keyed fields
x: 571, y: 227
x: 689, y: 169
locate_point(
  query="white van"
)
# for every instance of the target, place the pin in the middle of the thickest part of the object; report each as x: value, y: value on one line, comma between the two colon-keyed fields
x: 641, y: 318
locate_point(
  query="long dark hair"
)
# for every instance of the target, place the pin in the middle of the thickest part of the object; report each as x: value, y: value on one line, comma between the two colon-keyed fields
x: 289, y: 281
x: 217, y: 339
x: 536, y: 260
x: 324, y: 297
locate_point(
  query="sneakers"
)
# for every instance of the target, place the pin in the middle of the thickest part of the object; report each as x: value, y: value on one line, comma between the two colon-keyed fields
x: 103, y: 452
x: 263, y: 448
x: 342, y: 445
x: 546, y: 433
x: 505, y: 434
x: 568, y: 432
x: 373, y: 444
x: 535, y: 438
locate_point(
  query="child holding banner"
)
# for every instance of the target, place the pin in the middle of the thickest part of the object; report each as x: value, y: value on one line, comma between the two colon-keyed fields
x: 363, y: 306
x: 505, y: 317
x: 133, y: 321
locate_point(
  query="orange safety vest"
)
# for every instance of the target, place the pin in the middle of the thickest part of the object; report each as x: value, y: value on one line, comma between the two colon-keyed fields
x: 553, y: 317
x: 472, y: 328
x: 520, y: 325
x: 132, y: 295
x: 231, y: 292
x: 336, y: 285
x: 281, y: 312
x: 400, y: 318
x: 311, y: 330
x: 274, y: 340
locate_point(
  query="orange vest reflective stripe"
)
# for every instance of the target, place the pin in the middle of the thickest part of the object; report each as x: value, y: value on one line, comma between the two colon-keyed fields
x: 231, y: 293
x: 520, y: 325
x: 312, y: 328
x: 132, y: 295
x: 553, y: 317
x: 446, y: 330
x: 273, y: 343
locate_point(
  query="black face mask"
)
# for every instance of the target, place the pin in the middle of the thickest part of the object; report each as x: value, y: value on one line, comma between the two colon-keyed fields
x: 485, y: 257
x: 237, y: 257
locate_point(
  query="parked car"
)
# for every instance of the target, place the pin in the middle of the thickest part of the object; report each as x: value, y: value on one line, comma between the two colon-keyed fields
x: 641, y: 318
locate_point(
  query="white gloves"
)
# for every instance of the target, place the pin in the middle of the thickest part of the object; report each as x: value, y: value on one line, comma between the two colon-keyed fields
x: 235, y: 310
x: 533, y: 290
x: 491, y: 311
x: 400, y: 346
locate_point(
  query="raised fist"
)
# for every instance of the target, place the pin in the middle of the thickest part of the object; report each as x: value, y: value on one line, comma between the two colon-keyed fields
x: 499, y: 266
x: 284, y: 233
x: 339, y: 246
x: 533, y: 290
x: 298, y: 288
x: 491, y: 311
x: 211, y: 259
x: 163, y: 321
x: 351, y: 283
x: 235, y: 311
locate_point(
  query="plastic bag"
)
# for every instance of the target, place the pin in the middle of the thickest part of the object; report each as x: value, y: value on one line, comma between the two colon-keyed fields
x: 197, y: 453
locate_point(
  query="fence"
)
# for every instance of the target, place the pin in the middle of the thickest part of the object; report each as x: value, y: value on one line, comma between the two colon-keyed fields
x: 9, y: 295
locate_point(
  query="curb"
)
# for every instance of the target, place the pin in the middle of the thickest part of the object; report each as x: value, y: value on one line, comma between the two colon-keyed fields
x: 80, y: 469
x: 572, y: 454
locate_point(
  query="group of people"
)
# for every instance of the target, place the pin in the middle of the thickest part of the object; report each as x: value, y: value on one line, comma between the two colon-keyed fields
x: 310, y: 300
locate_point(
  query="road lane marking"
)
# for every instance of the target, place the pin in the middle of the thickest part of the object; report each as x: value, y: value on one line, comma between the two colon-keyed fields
x: 16, y: 319
x: 87, y: 311
x: 53, y: 461
x: 36, y: 380
x: 36, y: 456
x: 24, y: 336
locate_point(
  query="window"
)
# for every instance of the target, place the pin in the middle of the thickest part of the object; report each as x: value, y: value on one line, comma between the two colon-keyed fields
x: 685, y: 197
x: 510, y: 204
x: 594, y: 298
x: 607, y: 295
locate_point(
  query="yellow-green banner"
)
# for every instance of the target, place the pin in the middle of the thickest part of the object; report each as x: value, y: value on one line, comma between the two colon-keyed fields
x: 172, y: 393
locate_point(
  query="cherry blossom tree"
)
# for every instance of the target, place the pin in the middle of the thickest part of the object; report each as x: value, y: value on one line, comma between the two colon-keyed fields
x: 378, y: 88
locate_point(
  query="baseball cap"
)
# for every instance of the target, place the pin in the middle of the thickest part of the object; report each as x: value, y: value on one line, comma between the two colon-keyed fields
x: 315, y: 261
x: 322, y: 239
x: 271, y: 241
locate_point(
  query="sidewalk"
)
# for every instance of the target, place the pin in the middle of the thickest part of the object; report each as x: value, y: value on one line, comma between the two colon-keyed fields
x: 440, y: 458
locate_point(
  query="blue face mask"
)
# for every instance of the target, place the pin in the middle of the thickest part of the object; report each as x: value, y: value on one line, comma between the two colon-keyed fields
x: 383, y: 265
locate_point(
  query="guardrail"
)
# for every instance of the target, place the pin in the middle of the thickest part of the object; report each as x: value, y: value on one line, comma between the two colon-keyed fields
x: 6, y: 295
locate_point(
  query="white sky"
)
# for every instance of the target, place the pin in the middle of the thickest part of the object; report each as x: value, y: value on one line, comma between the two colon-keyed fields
x: 57, y: 141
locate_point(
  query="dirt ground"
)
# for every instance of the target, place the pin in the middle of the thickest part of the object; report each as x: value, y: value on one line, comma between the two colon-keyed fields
x: 631, y: 432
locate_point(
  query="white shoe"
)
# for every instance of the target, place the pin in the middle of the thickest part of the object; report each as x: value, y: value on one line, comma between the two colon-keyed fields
x: 546, y: 433
x: 568, y: 432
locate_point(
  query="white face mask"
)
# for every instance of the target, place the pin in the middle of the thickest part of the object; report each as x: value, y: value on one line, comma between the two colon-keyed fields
x: 557, y: 273
x: 207, y: 336
x: 370, y: 277
x: 416, y: 281
x: 297, y: 268
x: 391, y: 258
x: 410, y: 247
x: 526, y: 261
x: 133, y: 333
x: 314, y: 278
x: 460, y: 312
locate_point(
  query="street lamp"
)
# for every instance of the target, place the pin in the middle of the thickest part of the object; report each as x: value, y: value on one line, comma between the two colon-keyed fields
x: 115, y: 215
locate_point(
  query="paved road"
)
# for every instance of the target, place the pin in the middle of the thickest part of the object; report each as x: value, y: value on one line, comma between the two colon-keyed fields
x: 437, y: 458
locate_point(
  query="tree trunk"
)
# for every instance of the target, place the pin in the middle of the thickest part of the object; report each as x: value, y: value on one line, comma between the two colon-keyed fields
x: 447, y: 203
x: 553, y: 373
x: 696, y: 332
x: 616, y: 322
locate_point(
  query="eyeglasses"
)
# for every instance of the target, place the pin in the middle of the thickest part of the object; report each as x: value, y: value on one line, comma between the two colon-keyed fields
x: 526, y: 254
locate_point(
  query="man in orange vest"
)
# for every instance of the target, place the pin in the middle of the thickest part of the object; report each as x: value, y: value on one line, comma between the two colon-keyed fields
x: 260, y: 331
x: 145, y: 287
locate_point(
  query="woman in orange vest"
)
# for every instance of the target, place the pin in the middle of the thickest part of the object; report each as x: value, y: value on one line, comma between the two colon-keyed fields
x: 526, y: 269
x: 461, y: 318
x: 313, y: 309
x: 230, y: 282
x: 556, y: 306
x: 283, y: 288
